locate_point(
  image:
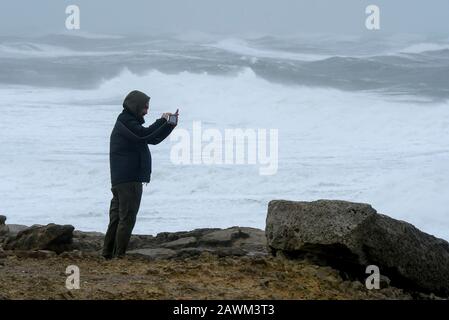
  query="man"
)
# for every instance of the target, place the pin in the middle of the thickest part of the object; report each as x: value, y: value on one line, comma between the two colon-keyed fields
x: 130, y: 164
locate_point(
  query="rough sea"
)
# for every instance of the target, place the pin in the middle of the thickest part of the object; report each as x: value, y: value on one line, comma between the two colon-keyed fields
x: 361, y: 119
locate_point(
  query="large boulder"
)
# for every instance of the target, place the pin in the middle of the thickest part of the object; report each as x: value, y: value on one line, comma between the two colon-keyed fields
x: 351, y: 236
x: 52, y: 237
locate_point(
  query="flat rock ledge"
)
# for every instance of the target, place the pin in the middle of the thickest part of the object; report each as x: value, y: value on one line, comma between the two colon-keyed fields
x: 44, y: 241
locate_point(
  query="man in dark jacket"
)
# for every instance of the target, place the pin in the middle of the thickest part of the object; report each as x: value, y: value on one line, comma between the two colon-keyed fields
x: 130, y: 164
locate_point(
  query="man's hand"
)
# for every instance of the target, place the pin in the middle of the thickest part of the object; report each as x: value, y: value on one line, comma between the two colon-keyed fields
x: 166, y: 115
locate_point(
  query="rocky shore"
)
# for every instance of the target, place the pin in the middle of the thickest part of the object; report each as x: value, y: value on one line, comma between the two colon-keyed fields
x: 309, y: 250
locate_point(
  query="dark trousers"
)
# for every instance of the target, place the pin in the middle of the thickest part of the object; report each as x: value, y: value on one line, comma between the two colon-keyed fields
x: 122, y: 218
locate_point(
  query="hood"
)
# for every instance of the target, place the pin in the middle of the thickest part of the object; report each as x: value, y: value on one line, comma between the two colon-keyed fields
x: 135, y: 101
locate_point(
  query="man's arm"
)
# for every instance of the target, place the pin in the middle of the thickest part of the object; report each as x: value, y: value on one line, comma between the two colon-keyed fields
x: 160, y: 129
x: 139, y: 130
x: 162, y: 133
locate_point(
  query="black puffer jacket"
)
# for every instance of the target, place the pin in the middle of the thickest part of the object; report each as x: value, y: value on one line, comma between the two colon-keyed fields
x: 129, y: 155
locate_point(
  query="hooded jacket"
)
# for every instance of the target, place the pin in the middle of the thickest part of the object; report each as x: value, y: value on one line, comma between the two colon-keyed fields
x: 129, y: 155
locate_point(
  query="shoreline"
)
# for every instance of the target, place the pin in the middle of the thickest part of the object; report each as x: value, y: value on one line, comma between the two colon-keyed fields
x: 232, y: 263
x: 308, y: 250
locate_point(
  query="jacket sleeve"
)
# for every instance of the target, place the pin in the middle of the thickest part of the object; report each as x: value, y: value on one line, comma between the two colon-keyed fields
x: 154, y: 134
x: 160, y: 134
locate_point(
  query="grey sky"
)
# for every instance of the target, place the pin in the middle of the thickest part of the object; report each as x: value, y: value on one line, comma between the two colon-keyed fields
x: 225, y: 16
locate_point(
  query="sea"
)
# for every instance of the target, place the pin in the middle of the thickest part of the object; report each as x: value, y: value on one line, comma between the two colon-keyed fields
x: 359, y: 118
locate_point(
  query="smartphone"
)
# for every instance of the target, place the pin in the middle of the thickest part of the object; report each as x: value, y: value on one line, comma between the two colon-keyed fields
x: 173, y: 119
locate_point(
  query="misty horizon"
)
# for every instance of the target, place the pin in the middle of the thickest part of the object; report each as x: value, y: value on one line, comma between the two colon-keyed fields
x: 284, y: 18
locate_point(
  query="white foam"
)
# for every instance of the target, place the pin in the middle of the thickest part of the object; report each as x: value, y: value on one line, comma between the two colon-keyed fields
x: 89, y: 35
x: 38, y: 50
x: 240, y: 46
x: 425, y: 47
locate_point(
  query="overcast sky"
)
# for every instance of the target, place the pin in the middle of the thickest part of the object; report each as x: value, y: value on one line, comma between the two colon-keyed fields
x: 284, y: 17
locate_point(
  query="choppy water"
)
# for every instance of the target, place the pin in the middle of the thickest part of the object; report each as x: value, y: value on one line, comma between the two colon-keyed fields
x: 360, y: 119
x: 395, y: 65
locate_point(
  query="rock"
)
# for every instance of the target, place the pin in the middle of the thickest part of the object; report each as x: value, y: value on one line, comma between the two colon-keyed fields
x: 198, y: 233
x: 34, y: 254
x: 4, y: 231
x: 172, y: 236
x: 14, y: 229
x: 180, y: 243
x: 93, y: 241
x: 87, y: 234
x: 152, y: 254
x: 141, y: 241
x: 87, y: 241
x: 223, y: 237
x: 350, y: 236
x: 36, y: 226
x: 52, y: 237
x: 384, y: 282
x: 255, y: 243
x: 239, y: 240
